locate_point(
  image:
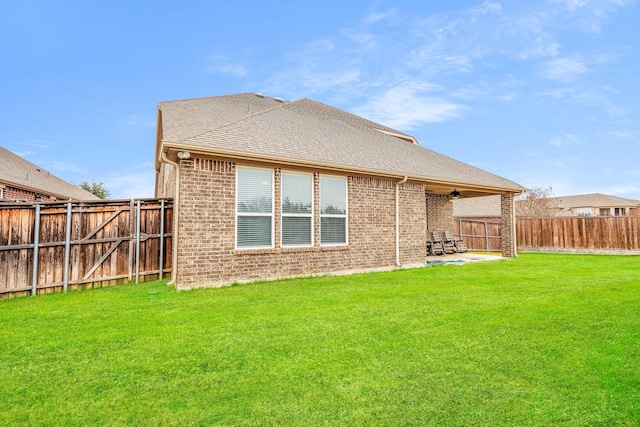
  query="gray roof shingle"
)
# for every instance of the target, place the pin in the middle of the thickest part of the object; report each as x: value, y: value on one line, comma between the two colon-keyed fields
x: 17, y: 171
x: 312, y: 132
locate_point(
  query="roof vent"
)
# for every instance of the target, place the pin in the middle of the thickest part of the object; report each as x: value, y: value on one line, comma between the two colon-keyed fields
x: 278, y: 99
x: 259, y: 95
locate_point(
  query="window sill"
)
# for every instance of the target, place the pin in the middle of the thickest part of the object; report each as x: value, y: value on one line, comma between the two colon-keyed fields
x: 285, y: 250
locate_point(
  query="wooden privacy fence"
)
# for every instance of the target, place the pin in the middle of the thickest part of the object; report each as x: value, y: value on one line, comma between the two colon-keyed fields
x: 480, y: 235
x: 56, y: 246
x: 587, y: 233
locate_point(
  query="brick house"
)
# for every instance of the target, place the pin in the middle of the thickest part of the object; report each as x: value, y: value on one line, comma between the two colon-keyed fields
x: 22, y: 181
x: 266, y: 189
x: 596, y: 204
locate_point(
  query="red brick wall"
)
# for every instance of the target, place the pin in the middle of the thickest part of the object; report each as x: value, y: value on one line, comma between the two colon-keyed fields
x: 12, y: 193
x: 413, y: 223
x: 439, y: 212
x: 206, y: 229
x: 507, y: 225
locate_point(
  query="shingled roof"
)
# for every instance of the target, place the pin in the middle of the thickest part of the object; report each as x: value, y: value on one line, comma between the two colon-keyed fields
x: 310, y: 133
x: 20, y: 173
x: 595, y: 200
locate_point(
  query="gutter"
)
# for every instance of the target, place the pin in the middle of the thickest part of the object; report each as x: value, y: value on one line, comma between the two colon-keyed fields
x: 176, y: 210
x: 398, y: 184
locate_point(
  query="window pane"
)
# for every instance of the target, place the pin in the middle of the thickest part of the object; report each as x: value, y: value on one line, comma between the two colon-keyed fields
x: 296, y: 231
x: 254, y: 193
x: 333, y: 230
x: 297, y: 189
x: 333, y: 195
x: 254, y: 231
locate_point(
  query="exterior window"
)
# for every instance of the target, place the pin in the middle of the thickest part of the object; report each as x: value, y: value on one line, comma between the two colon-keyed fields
x: 605, y: 212
x: 583, y: 211
x: 333, y: 210
x: 620, y: 211
x: 1, y: 193
x: 297, y: 209
x: 254, y: 208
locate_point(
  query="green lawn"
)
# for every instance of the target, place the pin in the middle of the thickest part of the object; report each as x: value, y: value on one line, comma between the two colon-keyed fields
x: 544, y: 339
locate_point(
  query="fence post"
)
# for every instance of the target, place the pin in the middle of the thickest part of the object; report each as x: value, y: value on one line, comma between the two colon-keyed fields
x: 36, y: 244
x: 161, y: 261
x: 132, y: 213
x: 138, y: 242
x: 486, y: 235
x: 67, y: 250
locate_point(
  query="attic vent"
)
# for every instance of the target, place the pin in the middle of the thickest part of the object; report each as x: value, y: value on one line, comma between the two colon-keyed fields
x: 259, y: 95
x: 278, y: 99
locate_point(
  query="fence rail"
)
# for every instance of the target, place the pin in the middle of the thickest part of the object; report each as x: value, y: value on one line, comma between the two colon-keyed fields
x: 55, y: 246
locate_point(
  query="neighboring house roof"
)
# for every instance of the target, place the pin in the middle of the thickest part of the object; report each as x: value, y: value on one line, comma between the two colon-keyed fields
x: 309, y: 133
x: 595, y: 200
x: 18, y: 172
x: 478, y: 207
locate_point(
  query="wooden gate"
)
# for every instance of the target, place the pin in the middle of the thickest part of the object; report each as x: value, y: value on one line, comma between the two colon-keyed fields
x: 55, y: 246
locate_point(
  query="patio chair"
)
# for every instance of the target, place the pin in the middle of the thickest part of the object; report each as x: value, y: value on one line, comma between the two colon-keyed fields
x: 459, y: 244
x: 433, y: 247
x: 448, y: 247
x: 436, y: 238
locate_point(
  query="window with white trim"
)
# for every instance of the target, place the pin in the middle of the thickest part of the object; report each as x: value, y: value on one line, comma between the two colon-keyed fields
x: 297, y: 209
x: 254, y: 208
x: 333, y: 210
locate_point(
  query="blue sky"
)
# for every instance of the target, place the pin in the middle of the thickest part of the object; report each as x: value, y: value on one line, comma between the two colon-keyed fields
x: 545, y: 93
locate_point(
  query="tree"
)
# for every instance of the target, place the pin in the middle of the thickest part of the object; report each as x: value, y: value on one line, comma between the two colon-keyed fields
x: 537, y: 202
x: 95, y: 188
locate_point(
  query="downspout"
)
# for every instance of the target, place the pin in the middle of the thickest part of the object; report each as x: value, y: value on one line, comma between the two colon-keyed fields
x: 514, y: 234
x: 398, y: 184
x: 176, y: 208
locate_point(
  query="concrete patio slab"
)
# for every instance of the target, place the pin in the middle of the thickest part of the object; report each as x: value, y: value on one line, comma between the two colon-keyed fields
x: 460, y: 259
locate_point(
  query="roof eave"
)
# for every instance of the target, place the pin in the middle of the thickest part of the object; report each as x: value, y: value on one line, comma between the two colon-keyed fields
x: 168, y: 146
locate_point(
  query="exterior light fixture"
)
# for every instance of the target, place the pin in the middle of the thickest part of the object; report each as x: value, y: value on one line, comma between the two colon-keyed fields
x: 455, y: 194
x: 183, y: 155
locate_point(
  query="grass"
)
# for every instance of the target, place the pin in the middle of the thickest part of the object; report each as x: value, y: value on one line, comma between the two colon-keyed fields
x: 541, y: 340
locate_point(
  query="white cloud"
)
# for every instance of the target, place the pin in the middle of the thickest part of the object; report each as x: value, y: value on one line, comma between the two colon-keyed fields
x: 622, y: 190
x: 566, y: 139
x: 37, y: 144
x: 624, y: 135
x: 590, y: 15
x: 61, y: 166
x: 408, y: 106
x: 380, y: 63
x: 129, y: 185
x: 220, y: 64
x: 564, y: 69
x: 139, y: 121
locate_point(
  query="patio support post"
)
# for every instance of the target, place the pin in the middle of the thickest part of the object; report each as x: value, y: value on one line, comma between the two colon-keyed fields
x: 508, y: 225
